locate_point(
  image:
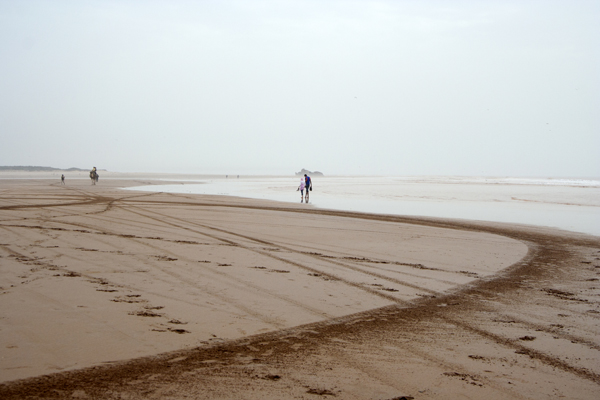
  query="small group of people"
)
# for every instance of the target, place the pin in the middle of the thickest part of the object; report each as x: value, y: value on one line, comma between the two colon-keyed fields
x: 305, y: 184
x: 93, y: 176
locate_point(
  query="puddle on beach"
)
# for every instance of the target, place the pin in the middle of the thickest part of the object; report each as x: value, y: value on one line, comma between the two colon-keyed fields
x: 572, y: 205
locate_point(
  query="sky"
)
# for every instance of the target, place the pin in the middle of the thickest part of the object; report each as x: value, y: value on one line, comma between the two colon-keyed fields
x: 472, y: 88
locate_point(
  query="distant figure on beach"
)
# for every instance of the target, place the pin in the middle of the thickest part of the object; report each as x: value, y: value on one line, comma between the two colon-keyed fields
x: 94, y: 176
x: 307, y: 185
x: 301, y: 189
x: 62, y: 179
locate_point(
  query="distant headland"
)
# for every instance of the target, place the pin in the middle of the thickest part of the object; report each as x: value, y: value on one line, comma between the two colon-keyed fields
x: 307, y: 172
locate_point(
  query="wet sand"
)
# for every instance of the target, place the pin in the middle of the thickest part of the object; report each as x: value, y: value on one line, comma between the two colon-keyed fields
x: 113, y: 294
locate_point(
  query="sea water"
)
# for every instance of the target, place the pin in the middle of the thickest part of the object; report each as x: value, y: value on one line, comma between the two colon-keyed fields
x: 570, y: 204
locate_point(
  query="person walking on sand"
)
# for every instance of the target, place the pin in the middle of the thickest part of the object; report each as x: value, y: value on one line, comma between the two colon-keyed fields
x: 307, y: 185
x: 301, y: 189
x: 62, y: 179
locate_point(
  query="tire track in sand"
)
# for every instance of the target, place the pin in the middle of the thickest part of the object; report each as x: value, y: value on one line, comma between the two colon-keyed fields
x: 268, y: 254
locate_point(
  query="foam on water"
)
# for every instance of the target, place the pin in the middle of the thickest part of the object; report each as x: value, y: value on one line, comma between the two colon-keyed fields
x: 571, y: 204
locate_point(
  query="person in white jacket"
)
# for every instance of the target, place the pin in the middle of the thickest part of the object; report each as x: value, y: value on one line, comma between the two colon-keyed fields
x: 301, y: 189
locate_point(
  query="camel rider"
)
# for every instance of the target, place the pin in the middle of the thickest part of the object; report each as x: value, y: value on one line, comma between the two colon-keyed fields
x: 94, y: 175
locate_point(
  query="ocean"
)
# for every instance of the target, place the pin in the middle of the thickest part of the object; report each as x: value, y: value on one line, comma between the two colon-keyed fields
x: 570, y: 204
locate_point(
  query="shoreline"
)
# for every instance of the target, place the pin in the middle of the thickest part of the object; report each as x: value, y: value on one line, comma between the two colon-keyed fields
x: 469, y: 301
x: 571, y: 205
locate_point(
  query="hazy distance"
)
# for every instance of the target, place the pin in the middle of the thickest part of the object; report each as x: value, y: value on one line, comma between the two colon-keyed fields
x: 494, y: 88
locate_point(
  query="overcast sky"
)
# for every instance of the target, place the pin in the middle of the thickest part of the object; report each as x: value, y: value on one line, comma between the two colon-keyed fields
x: 495, y: 88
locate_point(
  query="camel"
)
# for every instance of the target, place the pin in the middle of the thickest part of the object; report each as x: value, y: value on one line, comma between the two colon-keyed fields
x: 94, y: 176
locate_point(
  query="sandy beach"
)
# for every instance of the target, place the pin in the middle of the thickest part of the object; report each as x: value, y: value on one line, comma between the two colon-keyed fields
x: 113, y: 294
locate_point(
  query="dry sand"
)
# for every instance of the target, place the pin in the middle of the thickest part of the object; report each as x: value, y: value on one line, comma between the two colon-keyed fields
x: 112, y: 294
